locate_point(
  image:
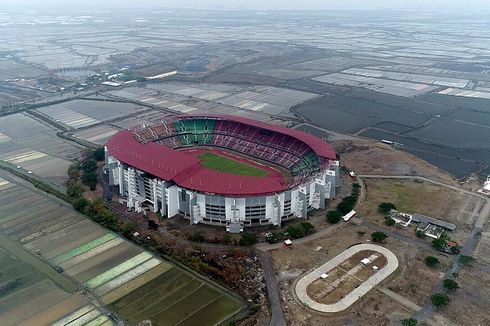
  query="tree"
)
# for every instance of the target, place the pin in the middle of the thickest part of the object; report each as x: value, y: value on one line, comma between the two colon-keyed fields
x: 197, y: 236
x: 449, y: 284
x: 409, y: 322
x: 99, y: 154
x: 74, y: 190
x: 334, y: 216
x: 385, y: 208
x: 431, y: 261
x: 296, y: 231
x: 420, y: 234
x: 360, y: 234
x: 439, y: 244
x: 308, y: 227
x: 439, y: 299
x: 389, y: 221
x: 248, y: 239
x: 152, y: 225
x: 466, y: 260
x: 74, y: 170
x: 346, y: 205
x: 89, y: 179
x: 378, y: 236
x: 80, y: 204
x: 128, y: 229
x: 89, y: 165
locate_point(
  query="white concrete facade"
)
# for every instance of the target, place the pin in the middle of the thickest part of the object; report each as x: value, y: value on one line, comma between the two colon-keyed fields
x: 145, y: 191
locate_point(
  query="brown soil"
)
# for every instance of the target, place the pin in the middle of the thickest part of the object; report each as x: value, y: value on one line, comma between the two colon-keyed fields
x: 369, y: 157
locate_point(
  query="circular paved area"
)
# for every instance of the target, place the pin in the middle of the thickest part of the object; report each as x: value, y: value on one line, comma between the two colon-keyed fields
x: 356, y: 294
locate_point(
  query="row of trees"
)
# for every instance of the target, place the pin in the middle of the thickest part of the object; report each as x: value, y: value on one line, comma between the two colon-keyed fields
x: 345, y: 206
x: 295, y: 231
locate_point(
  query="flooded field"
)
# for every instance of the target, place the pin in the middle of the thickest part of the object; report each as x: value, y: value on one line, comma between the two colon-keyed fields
x: 34, y: 146
x: 83, y: 113
x: 38, y: 234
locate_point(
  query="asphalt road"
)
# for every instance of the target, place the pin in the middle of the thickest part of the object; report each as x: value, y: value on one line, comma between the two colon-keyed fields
x: 277, y: 318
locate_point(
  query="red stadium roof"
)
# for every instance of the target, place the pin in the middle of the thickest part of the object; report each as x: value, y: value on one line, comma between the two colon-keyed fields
x: 185, y: 169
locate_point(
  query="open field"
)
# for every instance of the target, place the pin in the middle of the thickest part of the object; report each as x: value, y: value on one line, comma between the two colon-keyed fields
x: 411, y: 196
x: 411, y: 279
x: 105, y: 264
x: 223, y: 164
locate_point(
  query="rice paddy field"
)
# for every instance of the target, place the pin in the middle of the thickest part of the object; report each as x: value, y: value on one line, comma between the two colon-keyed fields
x: 38, y: 233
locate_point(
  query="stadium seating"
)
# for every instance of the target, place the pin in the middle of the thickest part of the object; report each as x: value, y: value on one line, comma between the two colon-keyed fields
x: 267, y: 145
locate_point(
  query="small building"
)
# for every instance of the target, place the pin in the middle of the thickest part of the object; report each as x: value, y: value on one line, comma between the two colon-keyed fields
x: 375, y: 268
x: 430, y: 230
x: 288, y: 243
x: 365, y: 261
x: 402, y: 219
x: 323, y: 276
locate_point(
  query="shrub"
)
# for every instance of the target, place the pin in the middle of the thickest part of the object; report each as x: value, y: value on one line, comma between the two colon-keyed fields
x: 466, y: 260
x: 450, y: 284
x: 385, y: 208
x: 308, y: 227
x: 248, y: 239
x: 409, y: 322
x: 431, y: 261
x: 74, y: 190
x: 296, y: 231
x: 333, y: 217
x: 99, y: 154
x: 439, y: 299
x: 389, y: 221
x: 127, y: 229
x: 378, y: 236
x: 439, y: 244
x: 81, y: 204
x: 420, y: 234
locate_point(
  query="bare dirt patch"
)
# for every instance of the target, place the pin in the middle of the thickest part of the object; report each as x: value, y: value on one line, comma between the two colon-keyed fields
x: 374, y: 308
x: 369, y: 157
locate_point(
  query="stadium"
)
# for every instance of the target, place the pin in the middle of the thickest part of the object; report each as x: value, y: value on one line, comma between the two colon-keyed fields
x: 222, y: 170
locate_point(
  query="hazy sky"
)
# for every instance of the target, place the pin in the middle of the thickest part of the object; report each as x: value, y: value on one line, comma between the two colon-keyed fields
x: 267, y: 4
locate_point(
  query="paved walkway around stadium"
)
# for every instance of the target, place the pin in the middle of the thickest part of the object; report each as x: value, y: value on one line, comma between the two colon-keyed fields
x: 349, y: 299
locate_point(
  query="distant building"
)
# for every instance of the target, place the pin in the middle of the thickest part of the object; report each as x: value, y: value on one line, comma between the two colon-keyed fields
x: 402, y: 219
x: 486, y: 187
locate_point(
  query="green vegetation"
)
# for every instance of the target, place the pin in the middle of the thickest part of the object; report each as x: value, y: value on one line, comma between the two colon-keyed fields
x: 420, y: 234
x: 99, y: 154
x: 74, y: 189
x: 431, y: 261
x: 450, y: 285
x: 378, y: 237
x: 223, y: 164
x: 345, y: 206
x: 385, y: 208
x: 360, y: 234
x: 333, y: 216
x: 466, y: 260
x: 299, y: 230
x: 389, y: 221
x: 439, y: 299
x: 409, y: 322
x: 248, y: 239
x: 294, y: 231
x: 439, y: 244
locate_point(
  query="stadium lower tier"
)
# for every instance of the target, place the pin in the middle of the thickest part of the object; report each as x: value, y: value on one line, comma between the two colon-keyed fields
x: 144, y: 191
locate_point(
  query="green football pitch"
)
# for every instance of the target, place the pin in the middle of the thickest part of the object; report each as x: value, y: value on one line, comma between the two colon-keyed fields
x: 223, y: 164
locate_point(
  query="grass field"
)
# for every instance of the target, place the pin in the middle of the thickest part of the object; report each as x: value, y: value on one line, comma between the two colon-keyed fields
x: 226, y: 165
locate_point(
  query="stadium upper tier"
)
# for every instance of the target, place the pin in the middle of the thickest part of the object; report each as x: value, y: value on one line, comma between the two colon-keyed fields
x: 159, y: 149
